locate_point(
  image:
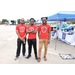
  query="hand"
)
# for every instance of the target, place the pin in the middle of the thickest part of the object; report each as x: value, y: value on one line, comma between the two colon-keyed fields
x: 26, y: 31
x: 39, y: 37
x: 29, y: 31
x: 21, y: 39
x: 48, y: 41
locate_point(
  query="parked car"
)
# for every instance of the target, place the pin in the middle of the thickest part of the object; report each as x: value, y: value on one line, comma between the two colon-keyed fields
x: 68, y: 28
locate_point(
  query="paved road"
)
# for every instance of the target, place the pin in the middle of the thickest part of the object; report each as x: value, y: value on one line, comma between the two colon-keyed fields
x: 8, y: 47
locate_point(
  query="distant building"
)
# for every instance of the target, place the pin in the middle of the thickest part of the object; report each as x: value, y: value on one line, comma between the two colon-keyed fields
x: 12, y: 22
x: 0, y: 22
x: 6, y: 23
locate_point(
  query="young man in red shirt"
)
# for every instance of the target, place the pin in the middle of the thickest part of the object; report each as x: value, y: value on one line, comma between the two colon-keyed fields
x: 31, y: 31
x: 21, y: 33
x: 44, y: 34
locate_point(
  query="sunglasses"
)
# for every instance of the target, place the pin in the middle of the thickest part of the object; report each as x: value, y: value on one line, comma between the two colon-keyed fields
x: 22, y: 20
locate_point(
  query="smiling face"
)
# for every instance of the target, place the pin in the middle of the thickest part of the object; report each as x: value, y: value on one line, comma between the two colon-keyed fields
x: 44, y: 20
x: 22, y: 21
x: 32, y: 22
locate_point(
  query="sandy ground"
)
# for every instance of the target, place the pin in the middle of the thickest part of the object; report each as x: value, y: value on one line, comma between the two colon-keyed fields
x: 8, y: 45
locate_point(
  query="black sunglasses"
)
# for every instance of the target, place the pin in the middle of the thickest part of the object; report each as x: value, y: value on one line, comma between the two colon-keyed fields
x: 22, y: 20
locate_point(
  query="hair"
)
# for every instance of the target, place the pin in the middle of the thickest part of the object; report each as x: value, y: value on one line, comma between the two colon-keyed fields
x: 44, y: 17
x: 72, y: 28
x: 32, y: 19
x: 21, y: 18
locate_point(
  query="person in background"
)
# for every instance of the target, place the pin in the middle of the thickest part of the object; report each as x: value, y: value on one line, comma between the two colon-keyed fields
x: 44, y: 34
x: 31, y: 31
x: 72, y: 30
x: 53, y: 32
x: 21, y: 33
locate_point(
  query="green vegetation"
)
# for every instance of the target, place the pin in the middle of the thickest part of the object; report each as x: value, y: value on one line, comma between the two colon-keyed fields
x: 68, y: 22
x: 18, y: 21
x: 37, y: 20
x: 4, y: 20
x: 73, y: 22
x: 26, y: 21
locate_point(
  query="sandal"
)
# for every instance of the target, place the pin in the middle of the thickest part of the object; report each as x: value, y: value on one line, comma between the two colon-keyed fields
x: 38, y: 59
x: 45, y: 58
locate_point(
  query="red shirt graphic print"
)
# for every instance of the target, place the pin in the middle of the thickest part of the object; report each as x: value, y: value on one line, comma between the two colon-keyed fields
x: 21, y: 29
x: 44, y: 31
x: 32, y: 35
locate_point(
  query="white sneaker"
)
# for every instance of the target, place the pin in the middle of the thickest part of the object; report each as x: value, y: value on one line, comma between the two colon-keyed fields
x: 24, y: 56
x: 16, y: 58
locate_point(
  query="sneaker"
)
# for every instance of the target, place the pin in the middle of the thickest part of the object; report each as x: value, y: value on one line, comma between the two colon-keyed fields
x: 36, y: 58
x: 45, y: 58
x: 39, y: 59
x: 24, y: 56
x: 28, y: 56
x: 16, y: 58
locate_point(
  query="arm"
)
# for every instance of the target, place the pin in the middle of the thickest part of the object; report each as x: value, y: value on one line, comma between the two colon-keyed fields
x: 39, y: 34
x: 19, y: 35
x: 49, y: 32
x: 27, y: 31
x: 35, y: 31
x: 24, y: 36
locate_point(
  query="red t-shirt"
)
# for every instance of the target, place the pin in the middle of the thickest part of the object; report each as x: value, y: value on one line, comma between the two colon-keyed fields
x: 44, y: 31
x: 21, y: 29
x: 32, y: 35
x: 53, y: 30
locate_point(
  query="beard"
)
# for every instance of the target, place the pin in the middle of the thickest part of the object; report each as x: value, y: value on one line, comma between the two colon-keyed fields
x: 22, y: 23
x: 32, y: 24
x: 45, y: 23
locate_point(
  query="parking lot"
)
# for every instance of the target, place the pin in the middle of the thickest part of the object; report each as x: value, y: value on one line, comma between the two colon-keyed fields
x: 8, y: 45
